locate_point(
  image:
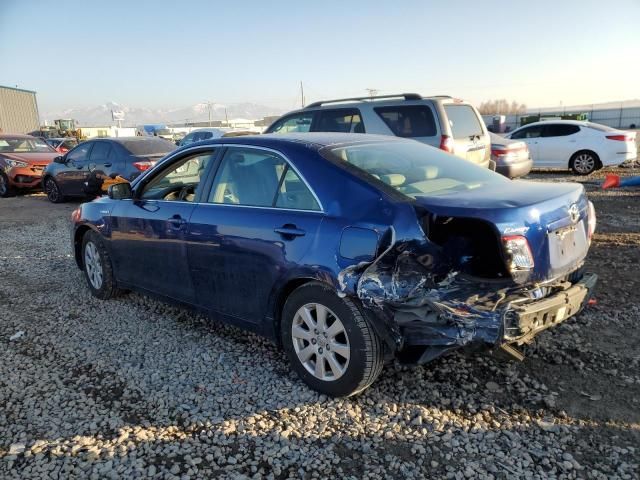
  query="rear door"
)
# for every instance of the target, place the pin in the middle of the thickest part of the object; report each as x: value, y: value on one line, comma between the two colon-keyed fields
x: 558, y: 142
x: 257, y: 222
x: 471, y: 142
x: 100, y: 166
x: 72, y: 178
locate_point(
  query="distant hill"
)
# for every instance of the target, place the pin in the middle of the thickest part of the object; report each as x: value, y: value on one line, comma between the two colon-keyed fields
x: 101, y: 114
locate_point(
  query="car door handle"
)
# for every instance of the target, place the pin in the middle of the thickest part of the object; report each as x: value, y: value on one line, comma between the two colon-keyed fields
x: 177, y: 222
x: 106, y: 164
x: 289, y: 231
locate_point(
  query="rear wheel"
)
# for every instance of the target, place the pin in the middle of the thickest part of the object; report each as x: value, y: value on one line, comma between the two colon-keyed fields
x: 584, y: 162
x: 52, y: 190
x: 6, y: 190
x: 97, y: 267
x: 329, y: 341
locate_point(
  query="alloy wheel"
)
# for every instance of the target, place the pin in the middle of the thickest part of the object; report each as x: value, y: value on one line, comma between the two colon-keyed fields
x: 320, y: 342
x: 51, y: 189
x: 93, y: 265
x: 584, y: 163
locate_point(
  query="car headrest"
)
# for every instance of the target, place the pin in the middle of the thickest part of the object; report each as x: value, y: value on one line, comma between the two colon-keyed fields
x: 426, y: 172
x: 393, y: 179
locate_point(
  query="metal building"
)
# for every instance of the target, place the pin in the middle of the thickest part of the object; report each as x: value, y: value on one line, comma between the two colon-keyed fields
x: 18, y: 110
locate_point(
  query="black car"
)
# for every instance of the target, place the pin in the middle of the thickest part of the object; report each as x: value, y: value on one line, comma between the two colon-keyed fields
x: 81, y: 171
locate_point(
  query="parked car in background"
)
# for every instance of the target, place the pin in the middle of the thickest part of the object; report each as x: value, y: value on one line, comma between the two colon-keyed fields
x: 511, y: 156
x: 211, y: 133
x: 441, y: 121
x: 62, y: 145
x: 581, y: 147
x: 82, y: 170
x: 347, y: 249
x: 22, y: 161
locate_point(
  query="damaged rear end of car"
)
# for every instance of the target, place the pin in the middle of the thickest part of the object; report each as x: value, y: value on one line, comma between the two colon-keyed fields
x: 472, y: 260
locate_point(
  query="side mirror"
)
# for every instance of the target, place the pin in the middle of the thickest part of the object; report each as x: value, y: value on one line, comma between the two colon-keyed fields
x: 120, y: 191
x: 59, y: 159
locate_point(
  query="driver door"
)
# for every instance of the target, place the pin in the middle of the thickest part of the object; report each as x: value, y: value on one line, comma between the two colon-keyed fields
x: 148, y: 232
x: 71, y: 179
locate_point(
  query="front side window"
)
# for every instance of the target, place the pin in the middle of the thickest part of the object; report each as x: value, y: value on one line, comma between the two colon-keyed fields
x: 259, y: 178
x: 80, y: 153
x: 463, y: 121
x: 180, y: 180
x: 412, y: 168
x: 529, y: 132
x: 100, y: 151
x: 341, y: 120
x: 300, y: 122
x: 409, y: 121
x: 560, y: 130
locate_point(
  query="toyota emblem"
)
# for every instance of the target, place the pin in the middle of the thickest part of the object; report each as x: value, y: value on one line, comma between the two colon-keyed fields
x: 574, y: 213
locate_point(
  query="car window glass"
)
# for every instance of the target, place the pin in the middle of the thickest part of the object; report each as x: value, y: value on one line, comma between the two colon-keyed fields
x: 206, y: 135
x: 409, y: 121
x: 295, y: 123
x: 529, y: 132
x: 463, y: 121
x: 179, y: 181
x: 100, y: 151
x: 80, y: 153
x: 188, y: 139
x: 341, y: 120
x: 248, y: 176
x: 560, y: 130
x: 294, y: 194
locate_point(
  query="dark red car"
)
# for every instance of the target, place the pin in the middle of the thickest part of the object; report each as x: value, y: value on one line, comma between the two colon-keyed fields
x: 22, y: 160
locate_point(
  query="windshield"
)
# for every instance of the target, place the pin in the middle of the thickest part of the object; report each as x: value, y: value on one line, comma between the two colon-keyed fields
x: 24, y: 145
x: 413, y: 168
x: 149, y: 146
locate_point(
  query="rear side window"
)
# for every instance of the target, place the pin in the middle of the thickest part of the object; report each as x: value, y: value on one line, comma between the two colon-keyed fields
x: 560, y: 130
x: 342, y: 120
x: 463, y: 121
x: 409, y: 121
x: 300, y: 122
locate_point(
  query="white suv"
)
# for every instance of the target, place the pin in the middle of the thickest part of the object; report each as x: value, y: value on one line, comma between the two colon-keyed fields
x: 441, y: 121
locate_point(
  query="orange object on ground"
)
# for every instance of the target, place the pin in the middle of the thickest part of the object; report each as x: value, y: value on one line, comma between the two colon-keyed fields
x: 112, y: 181
x: 611, y: 181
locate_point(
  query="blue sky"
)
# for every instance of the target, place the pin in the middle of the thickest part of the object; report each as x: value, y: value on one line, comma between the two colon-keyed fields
x: 176, y: 53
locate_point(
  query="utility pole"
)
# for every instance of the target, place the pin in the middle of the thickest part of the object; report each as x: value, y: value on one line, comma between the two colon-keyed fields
x: 209, y: 104
x: 301, y: 94
x: 226, y: 118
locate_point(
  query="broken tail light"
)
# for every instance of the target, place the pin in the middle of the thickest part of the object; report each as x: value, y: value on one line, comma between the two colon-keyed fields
x: 591, y: 220
x: 519, y: 253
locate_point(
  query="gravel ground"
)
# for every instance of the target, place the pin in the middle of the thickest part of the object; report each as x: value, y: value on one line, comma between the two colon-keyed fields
x: 135, y: 388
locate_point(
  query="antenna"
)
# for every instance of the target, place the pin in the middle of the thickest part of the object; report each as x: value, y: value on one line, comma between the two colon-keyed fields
x: 301, y: 94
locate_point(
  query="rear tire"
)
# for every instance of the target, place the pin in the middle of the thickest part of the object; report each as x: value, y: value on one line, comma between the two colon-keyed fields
x: 329, y: 341
x: 97, y: 267
x: 6, y: 190
x: 52, y: 190
x: 584, y: 162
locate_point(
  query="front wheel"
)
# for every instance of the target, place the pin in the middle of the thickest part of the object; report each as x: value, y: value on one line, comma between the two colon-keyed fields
x: 5, y: 187
x: 583, y: 163
x: 329, y: 341
x: 97, y: 267
x: 52, y: 190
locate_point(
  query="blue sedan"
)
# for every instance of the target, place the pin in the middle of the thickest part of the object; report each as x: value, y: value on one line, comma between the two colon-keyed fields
x: 345, y: 249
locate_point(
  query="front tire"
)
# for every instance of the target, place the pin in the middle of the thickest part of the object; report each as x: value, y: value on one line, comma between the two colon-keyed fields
x: 52, y: 190
x: 330, y: 343
x: 6, y: 190
x: 97, y: 267
x: 584, y: 162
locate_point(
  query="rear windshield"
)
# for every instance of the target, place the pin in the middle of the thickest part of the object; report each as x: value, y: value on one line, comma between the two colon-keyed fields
x: 24, y: 145
x: 409, y: 121
x: 602, y: 128
x: 413, y: 168
x: 149, y: 146
x: 463, y: 121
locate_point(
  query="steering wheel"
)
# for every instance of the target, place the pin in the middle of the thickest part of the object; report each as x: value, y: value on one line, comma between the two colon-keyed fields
x: 184, y: 191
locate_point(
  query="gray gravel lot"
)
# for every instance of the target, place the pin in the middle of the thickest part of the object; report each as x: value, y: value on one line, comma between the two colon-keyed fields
x: 135, y: 388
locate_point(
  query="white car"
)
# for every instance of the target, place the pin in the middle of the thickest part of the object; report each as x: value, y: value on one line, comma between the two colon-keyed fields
x: 580, y: 146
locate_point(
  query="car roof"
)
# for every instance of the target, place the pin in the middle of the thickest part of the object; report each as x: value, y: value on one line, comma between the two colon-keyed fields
x: 16, y: 135
x: 556, y: 122
x: 315, y: 140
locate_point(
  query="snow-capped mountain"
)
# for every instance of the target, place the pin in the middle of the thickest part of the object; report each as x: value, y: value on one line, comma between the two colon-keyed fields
x: 101, y: 115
